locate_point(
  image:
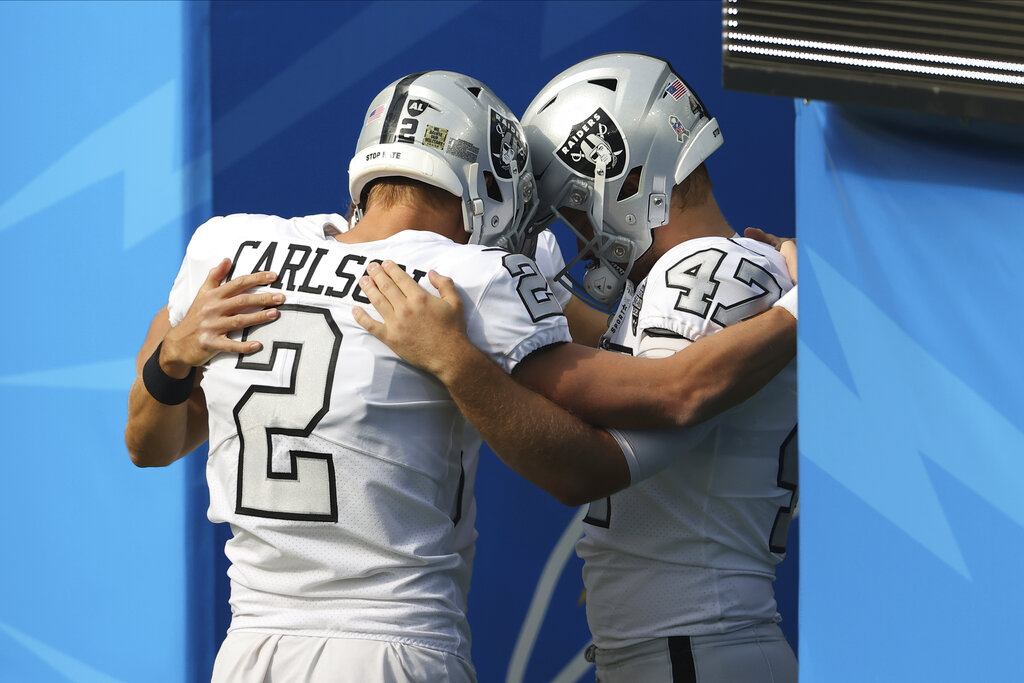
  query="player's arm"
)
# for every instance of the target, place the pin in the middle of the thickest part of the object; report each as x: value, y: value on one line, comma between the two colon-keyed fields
x: 701, y: 380
x: 166, y: 408
x: 550, y: 447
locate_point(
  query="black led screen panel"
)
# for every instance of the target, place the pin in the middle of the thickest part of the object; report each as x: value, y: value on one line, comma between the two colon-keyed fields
x: 963, y: 59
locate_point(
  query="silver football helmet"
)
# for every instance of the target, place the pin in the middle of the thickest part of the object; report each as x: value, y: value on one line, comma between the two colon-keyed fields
x: 451, y: 131
x: 591, y: 128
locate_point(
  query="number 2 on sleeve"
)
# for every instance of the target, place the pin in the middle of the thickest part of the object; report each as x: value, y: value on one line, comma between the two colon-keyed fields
x: 532, y: 287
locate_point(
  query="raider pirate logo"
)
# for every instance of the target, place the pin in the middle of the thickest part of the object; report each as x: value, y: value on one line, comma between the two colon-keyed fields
x: 507, y: 145
x: 595, y: 137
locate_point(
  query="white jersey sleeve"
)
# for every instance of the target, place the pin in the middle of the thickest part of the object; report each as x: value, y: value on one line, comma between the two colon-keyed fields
x: 549, y: 260
x: 700, y: 286
x: 517, y: 298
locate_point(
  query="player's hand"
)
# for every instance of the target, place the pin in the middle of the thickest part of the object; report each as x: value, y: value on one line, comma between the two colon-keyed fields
x: 219, y: 308
x: 785, y: 245
x: 425, y: 330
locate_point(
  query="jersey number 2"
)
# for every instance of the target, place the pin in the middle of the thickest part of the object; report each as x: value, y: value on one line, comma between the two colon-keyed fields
x: 303, y: 487
x: 532, y: 287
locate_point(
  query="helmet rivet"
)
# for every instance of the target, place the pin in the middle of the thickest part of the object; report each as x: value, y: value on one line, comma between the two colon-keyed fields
x: 494, y: 221
x: 576, y: 197
x: 630, y: 218
x: 619, y: 251
x: 658, y: 201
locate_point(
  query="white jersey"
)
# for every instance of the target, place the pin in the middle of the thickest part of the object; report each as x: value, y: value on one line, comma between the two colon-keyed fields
x: 692, y: 549
x: 549, y: 260
x: 346, y: 474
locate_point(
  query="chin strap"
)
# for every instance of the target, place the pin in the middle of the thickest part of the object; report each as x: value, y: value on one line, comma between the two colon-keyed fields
x: 597, y: 210
x: 475, y: 208
x: 357, y: 215
x: 506, y: 240
x: 602, y: 279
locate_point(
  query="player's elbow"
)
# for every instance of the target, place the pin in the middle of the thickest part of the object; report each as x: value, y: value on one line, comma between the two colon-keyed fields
x: 579, y: 489
x: 139, y: 457
x: 690, y: 405
x: 143, y: 454
x: 573, y: 496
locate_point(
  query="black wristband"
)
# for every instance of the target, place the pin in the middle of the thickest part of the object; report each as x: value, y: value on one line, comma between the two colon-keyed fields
x: 168, y: 390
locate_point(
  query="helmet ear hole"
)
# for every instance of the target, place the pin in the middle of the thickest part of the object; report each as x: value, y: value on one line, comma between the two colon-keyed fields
x: 609, y: 83
x: 549, y: 103
x: 631, y: 184
x: 493, y: 191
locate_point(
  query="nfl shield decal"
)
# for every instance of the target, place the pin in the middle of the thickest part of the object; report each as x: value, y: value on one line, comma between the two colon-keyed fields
x: 507, y: 145
x: 595, y: 137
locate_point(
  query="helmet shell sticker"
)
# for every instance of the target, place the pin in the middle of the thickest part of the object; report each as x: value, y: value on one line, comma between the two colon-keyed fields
x: 507, y: 144
x: 682, y: 134
x: 676, y: 89
x: 409, y: 125
x: 595, y: 137
x: 435, y: 137
x: 638, y: 303
x: 377, y: 112
x: 694, y: 105
x: 463, y: 149
x: 417, y: 107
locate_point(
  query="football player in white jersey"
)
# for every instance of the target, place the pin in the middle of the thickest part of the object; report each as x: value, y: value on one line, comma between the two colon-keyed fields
x: 679, y: 566
x: 345, y: 474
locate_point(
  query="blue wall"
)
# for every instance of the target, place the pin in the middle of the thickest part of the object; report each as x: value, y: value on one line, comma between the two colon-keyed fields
x: 910, y: 376
x: 93, y: 209
x: 136, y: 121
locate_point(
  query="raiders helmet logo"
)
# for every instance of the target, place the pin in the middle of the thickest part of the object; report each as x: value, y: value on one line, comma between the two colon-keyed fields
x: 508, y: 146
x: 592, y: 139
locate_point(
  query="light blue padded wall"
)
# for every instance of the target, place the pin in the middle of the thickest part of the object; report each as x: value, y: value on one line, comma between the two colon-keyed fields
x: 96, y: 195
x: 912, y: 453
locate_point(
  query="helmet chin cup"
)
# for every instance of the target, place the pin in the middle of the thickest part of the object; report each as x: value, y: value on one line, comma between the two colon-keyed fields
x: 604, y: 282
x: 604, y: 278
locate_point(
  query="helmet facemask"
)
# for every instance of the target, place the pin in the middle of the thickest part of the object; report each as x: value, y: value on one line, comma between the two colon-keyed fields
x: 608, y: 257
